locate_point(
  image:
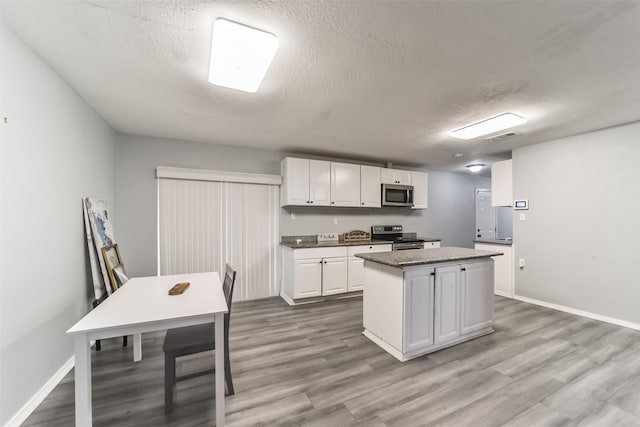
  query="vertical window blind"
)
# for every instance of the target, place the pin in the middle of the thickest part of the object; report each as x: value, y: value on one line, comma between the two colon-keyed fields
x: 204, y: 224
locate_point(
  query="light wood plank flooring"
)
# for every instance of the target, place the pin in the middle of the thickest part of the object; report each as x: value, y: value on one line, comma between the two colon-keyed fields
x: 310, y: 365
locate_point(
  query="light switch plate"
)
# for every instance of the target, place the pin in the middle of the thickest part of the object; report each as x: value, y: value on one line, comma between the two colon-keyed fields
x: 522, y: 216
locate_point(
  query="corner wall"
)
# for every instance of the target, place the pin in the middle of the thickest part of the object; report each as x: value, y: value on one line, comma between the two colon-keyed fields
x: 136, y: 187
x: 55, y: 150
x: 451, y: 213
x: 580, y: 237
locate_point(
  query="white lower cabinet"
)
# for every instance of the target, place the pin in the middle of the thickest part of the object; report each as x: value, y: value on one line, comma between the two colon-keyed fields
x: 418, y: 310
x: 334, y: 275
x: 504, y: 267
x: 447, y: 303
x: 356, y: 265
x: 418, y: 305
x: 318, y: 272
x: 308, y: 278
x: 476, y: 293
x: 356, y: 274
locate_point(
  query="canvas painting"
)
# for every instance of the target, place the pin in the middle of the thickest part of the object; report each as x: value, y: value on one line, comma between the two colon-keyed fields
x: 102, y: 232
x: 96, y: 277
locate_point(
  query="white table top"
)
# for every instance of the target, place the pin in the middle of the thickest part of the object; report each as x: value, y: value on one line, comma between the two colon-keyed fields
x: 145, y: 300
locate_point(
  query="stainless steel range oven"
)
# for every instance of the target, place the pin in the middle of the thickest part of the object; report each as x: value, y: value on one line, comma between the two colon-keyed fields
x: 394, y: 233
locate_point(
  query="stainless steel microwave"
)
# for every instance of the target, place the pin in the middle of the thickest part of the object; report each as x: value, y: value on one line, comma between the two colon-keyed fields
x: 397, y: 195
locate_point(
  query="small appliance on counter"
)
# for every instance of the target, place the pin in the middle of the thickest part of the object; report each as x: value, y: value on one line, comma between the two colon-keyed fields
x: 394, y: 233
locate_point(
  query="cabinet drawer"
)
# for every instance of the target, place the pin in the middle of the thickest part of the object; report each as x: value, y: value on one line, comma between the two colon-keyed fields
x: 319, y: 252
x: 428, y: 245
x: 368, y: 249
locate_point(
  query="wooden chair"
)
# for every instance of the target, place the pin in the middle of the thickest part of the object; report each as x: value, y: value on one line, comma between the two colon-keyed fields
x: 196, y: 339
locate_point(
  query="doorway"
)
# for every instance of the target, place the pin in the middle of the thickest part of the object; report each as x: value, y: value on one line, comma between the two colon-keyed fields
x: 485, y: 215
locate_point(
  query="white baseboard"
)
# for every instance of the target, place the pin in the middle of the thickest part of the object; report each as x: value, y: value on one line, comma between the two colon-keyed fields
x: 503, y: 294
x: 582, y: 313
x: 41, y: 394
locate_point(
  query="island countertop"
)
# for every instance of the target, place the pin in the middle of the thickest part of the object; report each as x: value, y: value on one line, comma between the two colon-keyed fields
x: 412, y: 257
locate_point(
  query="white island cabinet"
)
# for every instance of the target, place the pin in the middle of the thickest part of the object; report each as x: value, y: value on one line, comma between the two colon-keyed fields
x: 421, y: 301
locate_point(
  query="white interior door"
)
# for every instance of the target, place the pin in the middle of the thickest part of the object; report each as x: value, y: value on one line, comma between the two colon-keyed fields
x: 485, y: 215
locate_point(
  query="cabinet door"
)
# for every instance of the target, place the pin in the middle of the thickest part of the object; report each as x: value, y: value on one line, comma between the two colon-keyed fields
x: 370, y: 190
x: 418, y: 306
x: 319, y: 183
x: 420, y: 184
x: 477, y: 296
x: 403, y: 177
x: 307, y: 278
x: 447, y: 303
x: 334, y: 275
x: 295, y: 181
x: 501, y: 183
x: 388, y: 176
x: 356, y: 274
x: 345, y: 184
x: 395, y: 176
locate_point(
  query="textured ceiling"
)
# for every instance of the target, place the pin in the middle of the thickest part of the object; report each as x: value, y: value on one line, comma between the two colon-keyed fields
x: 370, y: 80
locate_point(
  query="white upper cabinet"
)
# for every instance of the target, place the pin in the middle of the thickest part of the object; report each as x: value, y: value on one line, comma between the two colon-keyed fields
x: 420, y: 182
x: 295, y: 182
x: 501, y: 183
x: 396, y: 176
x: 319, y: 183
x: 308, y: 182
x: 305, y: 182
x: 345, y: 184
x: 370, y: 191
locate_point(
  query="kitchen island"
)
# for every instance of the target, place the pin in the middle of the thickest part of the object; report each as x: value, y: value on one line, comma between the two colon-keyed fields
x: 418, y: 301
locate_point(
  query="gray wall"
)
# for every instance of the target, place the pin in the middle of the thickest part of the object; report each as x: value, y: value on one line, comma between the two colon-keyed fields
x: 451, y: 215
x: 580, y: 237
x: 136, y: 187
x: 55, y: 150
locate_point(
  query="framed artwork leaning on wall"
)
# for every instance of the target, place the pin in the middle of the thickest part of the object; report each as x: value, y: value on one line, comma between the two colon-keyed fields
x: 114, y: 266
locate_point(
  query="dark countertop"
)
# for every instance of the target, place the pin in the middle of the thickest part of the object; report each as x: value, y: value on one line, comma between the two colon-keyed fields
x: 307, y: 241
x: 316, y: 244
x: 426, y: 256
x: 494, y: 242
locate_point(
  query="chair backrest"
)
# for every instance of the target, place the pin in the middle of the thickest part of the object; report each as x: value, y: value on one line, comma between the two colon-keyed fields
x: 227, y: 287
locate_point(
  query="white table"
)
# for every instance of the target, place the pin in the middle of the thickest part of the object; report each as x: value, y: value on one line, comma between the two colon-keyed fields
x: 143, y: 305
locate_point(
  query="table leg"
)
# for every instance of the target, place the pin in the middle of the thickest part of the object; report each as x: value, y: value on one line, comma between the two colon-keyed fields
x: 83, y: 380
x: 137, y: 347
x: 219, y: 330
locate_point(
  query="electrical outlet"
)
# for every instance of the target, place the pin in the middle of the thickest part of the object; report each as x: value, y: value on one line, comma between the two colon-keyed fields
x: 293, y: 215
x: 522, y: 216
x: 335, y: 220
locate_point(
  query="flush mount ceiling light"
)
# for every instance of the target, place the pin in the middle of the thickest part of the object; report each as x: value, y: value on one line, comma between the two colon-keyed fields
x: 485, y: 127
x: 240, y: 55
x: 476, y: 167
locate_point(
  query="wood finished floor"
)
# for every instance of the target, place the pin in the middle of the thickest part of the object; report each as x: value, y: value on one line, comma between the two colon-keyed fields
x: 310, y: 365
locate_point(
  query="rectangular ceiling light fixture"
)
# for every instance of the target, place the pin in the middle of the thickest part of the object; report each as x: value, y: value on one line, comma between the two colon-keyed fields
x: 240, y: 55
x: 485, y: 127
